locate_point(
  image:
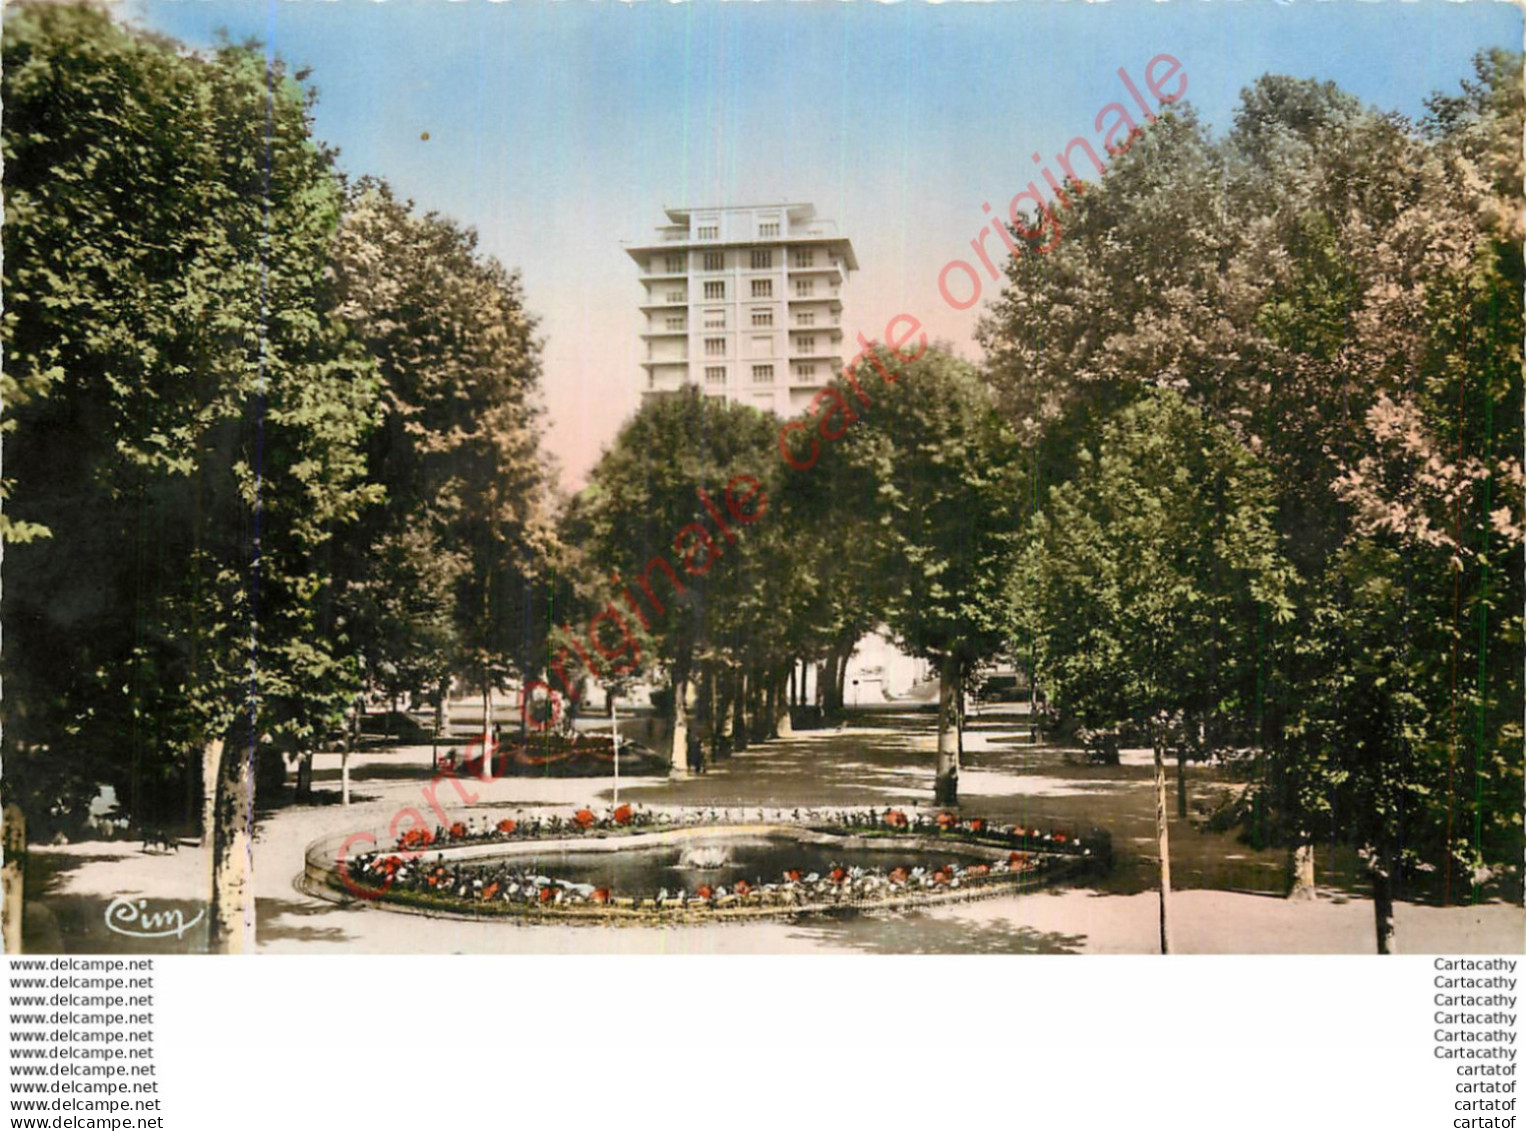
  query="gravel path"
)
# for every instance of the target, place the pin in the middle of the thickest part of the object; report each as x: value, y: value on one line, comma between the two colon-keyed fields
x: 1226, y: 902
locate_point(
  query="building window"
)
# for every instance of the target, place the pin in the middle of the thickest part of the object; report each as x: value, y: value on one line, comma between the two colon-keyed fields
x: 768, y: 229
x: 762, y: 288
x: 805, y: 287
x: 715, y: 374
x: 674, y: 263
x: 806, y: 369
x: 805, y: 259
x: 674, y: 296
x: 715, y: 261
x: 676, y: 323
x: 762, y: 317
x: 806, y: 343
x: 715, y: 347
x: 762, y: 374
x: 715, y: 319
x: 762, y: 260
x: 715, y: 290
x: 806, y: 319
x: 709, y: 231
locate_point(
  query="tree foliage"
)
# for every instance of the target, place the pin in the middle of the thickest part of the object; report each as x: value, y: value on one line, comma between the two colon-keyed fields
x: 1339, y: 291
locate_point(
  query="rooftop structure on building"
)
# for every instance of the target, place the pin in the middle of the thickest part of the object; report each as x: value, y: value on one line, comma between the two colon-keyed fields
x: 744, y: 301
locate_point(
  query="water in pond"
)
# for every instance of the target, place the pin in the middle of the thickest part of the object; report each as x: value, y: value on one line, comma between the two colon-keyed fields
x: 643, y: 872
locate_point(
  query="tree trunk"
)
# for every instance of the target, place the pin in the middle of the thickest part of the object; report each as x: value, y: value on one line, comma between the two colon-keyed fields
x: 1381, y: 873
x: 712, y: 700
x: 305, y: 776
x: 959, y: 718
x: 679, y: 757
x: 211, y: 762
x: 794, y: 689
x: 1181, y: 781
x: 13, y: 879
x: 758, y: 708
x: 1301, y: 869
x: 784, y: 726
x: 1162, y: 841
x: 946, y: 784
x: 232, y: 910
x: 692, y: 712
x: 434, y: 739
x: 741, y: 724
x: 840, y: 678
x: 725, y: 723
x: 487, y: 726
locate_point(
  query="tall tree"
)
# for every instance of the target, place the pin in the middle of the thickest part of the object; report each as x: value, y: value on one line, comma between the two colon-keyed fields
x: 1149, y: 577
x: 195, y: 437
x: 1340, y: 289
x: 647, y: 525
x: 937, y: 468
x: 452, y: 573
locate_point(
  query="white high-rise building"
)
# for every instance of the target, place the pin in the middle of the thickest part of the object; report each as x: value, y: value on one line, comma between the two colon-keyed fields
x: 744, y: 301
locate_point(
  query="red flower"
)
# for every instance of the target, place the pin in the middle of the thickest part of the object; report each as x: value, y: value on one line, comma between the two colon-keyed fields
x: 505, y: 826
x: 600, y: 895
x: 742, y: 887
x: 947, y: 820
x: 490, y: 891
x: 584, y: 818
x: 897, y: 876
x: 415, y: 838
x: 1019, y: 861
x: 1061, y: 838
x: 942, y: 876
x: 705, y: 891
x: 547, y: 894
x: 837, y: 875
x: 977, y: 824
x: 792, y: 875
x: 623, y: 815
x: 458, y: 829
x: 977, y: 870
x: 895, y: 819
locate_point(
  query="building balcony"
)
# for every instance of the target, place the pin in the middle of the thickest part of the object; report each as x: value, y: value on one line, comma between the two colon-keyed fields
x: 830, y: 300
x: 828, y: 271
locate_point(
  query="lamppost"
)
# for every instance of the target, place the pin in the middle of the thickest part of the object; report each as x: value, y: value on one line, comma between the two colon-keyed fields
x: 614, y: 741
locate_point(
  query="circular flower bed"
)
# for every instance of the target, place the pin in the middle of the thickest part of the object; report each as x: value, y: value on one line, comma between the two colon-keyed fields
x: 850, y: 859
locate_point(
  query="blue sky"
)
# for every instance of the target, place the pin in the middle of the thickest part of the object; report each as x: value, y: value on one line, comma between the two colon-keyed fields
x: 561, y: 130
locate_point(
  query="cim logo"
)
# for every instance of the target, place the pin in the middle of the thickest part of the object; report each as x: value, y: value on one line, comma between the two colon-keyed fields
x: 134, y: 919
